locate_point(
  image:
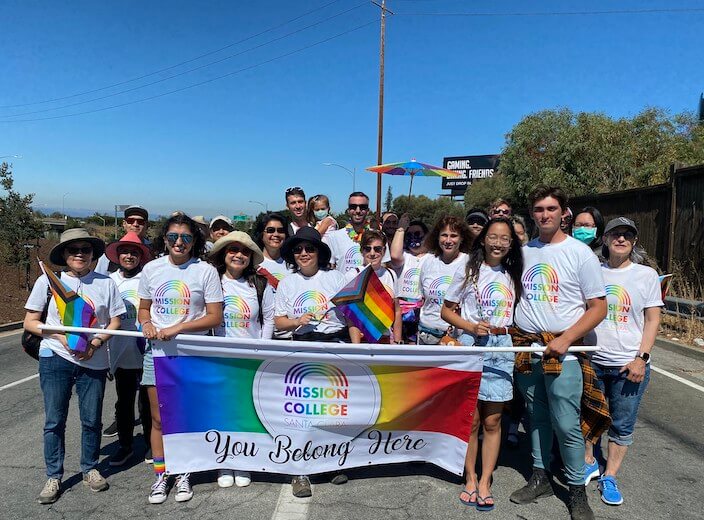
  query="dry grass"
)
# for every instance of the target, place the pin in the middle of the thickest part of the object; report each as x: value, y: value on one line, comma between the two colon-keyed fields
x: 686, y: 328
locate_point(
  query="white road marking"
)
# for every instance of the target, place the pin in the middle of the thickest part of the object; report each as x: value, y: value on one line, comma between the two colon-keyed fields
x: 677, y: 378
x: 289, y: 507
x: 10, y: 385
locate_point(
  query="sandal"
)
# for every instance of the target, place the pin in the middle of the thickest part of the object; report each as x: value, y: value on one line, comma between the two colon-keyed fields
x: 484, y: 506
x: 469, y: 502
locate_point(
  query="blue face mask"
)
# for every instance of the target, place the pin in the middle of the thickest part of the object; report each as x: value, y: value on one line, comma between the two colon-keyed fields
x: 584, y: 234
x: 320, y: 214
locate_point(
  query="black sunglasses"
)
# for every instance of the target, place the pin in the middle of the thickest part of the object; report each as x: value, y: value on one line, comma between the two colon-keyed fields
x: 628, y: 235
x: 293, y: 188
x: 309, y: 248
x: 73, y: 250
x: 377, y: 249
x: 237, y: 249
x: 172, y: 238
x: 361, y: 207
x: 272, y: 230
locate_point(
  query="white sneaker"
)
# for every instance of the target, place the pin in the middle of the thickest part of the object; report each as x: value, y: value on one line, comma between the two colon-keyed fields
x: 243, y: 478
x: 184, y: 491
x: 226, y: 478
x: 158, y: 493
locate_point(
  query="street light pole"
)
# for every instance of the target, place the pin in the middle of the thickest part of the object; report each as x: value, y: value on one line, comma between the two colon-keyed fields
x: 63, y: 205
x: 352, y: 172
x: 265, y: 206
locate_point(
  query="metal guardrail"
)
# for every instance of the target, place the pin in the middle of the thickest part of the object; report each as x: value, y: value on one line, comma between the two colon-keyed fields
x: 684, y: 308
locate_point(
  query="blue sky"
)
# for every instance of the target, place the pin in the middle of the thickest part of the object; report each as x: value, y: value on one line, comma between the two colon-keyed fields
x: 455, y: 85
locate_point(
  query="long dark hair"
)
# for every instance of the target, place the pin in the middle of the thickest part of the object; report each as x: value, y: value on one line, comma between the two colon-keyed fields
x: 181, y: 218
x: 512, y: 262
x: 599, y: 223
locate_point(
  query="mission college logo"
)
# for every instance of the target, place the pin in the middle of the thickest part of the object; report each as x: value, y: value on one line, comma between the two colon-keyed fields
x: 236, y: 313
x: 410, y: 284
x: 353, y: 258
x: 438, y: 288
x: 314, y: 302
x: 172, y: 298
x: 497, y: 300
x: 340, y: 397
x: 541, y: 284
x: 131, y: 300
x: 619, y: 306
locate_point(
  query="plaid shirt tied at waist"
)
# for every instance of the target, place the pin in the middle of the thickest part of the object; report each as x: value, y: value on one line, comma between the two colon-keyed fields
x: 595, y: 417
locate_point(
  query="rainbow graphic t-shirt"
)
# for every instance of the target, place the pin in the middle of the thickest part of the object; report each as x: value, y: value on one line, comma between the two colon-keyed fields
x: 240, y: 313
x: 491, y: 300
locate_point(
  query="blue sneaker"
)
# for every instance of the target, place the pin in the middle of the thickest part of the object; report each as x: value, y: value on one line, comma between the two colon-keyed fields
x: 591, y: 471
x: 609, y: 491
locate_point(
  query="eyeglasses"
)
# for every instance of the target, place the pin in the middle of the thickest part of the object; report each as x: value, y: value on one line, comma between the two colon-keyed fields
x: 293, y: 188
x: 237, y: 249
x: 377, y: 249
x: 494, y: 239
x: 309, y: 248
x: 628, y: 235
x: 501, y: 212
x: 359, y: 207
x: 135, y: 220
x: 582, y: 224
x: 172, y: 238
x: 271, y: 230
x: 72, y: 250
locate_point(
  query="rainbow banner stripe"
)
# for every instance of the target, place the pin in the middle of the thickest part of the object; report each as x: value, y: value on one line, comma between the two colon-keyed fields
x: 268, y: 406
x: 367, y: 304
x: 74, y: 311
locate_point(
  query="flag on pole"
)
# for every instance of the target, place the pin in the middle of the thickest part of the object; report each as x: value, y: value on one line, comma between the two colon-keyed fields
x: 665, y: 280
x: 74, y: 311
x: 367, y: 304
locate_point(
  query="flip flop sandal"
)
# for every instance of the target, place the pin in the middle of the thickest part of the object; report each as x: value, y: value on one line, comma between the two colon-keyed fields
x: 485, y: 506
x: 469, y: 501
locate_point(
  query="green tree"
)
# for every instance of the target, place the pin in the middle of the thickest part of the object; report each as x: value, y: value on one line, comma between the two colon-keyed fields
x: 389, y: 202
x: 18, y: 225
x: 481, y: 193
x: 426, y: 209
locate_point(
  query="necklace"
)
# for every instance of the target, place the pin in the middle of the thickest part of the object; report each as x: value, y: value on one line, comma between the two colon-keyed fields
x: 352, y: 233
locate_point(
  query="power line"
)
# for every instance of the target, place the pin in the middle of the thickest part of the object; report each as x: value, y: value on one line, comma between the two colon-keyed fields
x: 250, y: 67
x: 562, y: 13
x: 209, y: 53
x: 183, y: 73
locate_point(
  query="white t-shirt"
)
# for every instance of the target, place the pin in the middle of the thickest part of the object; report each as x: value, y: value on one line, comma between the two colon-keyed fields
x: 331, y: 228
x: 435, y: 278
x: 491, y: 300
x: 179, y: 292
x: 241, y: 310
x: 298, y: 295
x: 127, y: 352
x: 629, y: 291
x: 346, y: 254
x: 408, y: 283
x: 99, y: 291
x: 557, y: 280
x: 102, y: 266
x: 277, y: 268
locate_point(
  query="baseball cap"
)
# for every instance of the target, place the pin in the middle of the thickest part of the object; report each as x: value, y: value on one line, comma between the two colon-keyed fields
x: 221, y: 218
x: 137, y: 210
x: 620, y: 222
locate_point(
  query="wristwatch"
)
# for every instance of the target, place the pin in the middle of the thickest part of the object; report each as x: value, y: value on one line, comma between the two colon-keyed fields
x: 644, y: 356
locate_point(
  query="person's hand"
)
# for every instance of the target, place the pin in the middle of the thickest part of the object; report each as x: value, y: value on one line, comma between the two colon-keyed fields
x: 482, y: 328
x: 557, y: 347
x: 61, y: 338
x: 168, y: 333
x: 404, y: 221
x: 149, y: 330
x: 635, y: 369
x: 305, y: 319
x: 93, y: 345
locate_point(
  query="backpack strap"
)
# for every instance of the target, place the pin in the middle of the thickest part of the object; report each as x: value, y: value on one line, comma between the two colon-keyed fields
x: 260, y: 283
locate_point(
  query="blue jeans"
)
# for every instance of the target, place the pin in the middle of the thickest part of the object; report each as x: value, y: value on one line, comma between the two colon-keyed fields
x: 497, y: 371
x: 624, y: 398
x: 57, y: 377
x: 554, y: 405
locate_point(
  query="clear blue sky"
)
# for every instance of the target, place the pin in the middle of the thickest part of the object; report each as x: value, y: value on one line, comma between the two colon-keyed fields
x: 454, y: 86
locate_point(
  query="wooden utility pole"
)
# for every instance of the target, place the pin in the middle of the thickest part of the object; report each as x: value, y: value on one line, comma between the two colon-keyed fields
x: 380, y: 140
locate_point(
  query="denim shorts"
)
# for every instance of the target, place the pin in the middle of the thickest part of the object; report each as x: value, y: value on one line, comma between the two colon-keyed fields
x: 148, y: 376
x: 497, y: 374
x: 624, y: 398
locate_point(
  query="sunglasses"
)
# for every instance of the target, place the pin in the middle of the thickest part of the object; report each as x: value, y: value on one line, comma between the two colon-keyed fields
x: 476, y: 222
x: 172, y: 238
x: 377, y: 249
x: 129, y: 251
x: 501, y: 212
x: 628, y: 235
x: 360, y: 207
x: 72, y: 250
x: 271, y: 230
x: 309, y: 248
x: 237, y: 249
x: 293, y: 188
x: 135, y: 220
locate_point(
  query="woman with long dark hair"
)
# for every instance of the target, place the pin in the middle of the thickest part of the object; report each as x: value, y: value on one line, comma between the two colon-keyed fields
x: 480, y: 301
x: 588, y: 228
x: 179, y: 293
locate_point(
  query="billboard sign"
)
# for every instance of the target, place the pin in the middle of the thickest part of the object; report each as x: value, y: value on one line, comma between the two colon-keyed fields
x: 472, y: 168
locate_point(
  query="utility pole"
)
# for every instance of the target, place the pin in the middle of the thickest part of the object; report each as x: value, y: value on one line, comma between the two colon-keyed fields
x: 380, y: 140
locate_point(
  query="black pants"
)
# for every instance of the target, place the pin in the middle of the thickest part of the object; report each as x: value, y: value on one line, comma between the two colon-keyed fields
x: 127, y: 387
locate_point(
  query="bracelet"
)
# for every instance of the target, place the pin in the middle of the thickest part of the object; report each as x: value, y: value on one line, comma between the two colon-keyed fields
x: 99, y: 339
x: 146, y: 322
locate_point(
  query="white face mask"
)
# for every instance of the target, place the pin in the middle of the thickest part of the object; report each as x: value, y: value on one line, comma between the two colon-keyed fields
x: 320, y: 214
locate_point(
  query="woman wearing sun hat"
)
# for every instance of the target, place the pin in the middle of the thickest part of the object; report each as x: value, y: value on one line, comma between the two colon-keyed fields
x: 127, y: 353
x: 248, y: 310
x: 60, y: 369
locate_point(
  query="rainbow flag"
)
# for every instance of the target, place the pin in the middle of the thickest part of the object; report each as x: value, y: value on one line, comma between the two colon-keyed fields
x: 367, y: 304
x: 665, y: 280
x: 74, y: 311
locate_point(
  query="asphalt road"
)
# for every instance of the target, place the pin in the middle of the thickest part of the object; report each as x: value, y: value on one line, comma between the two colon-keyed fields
x: 662, y: 477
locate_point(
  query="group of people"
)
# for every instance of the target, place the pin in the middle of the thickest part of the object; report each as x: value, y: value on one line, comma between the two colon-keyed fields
x: 479, y: 280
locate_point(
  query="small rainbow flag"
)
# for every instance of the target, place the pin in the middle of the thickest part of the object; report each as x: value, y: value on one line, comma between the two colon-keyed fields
x: 74, y: 311
x: 367, y: 304
x: 665, y: 280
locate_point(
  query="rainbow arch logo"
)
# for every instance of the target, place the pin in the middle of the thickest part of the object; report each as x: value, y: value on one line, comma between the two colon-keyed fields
x: 353, y: 256
x: 439, y: 282
x: 238, y: 306
x: 298, y: 372
x: 543, y: 272
x: 498, y: 292
x: 131, y: 296
x: 279, y: 276
x: 620, y: 293
x: 316, y: 297
x: 411, y: 274
x: 176, y: 286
